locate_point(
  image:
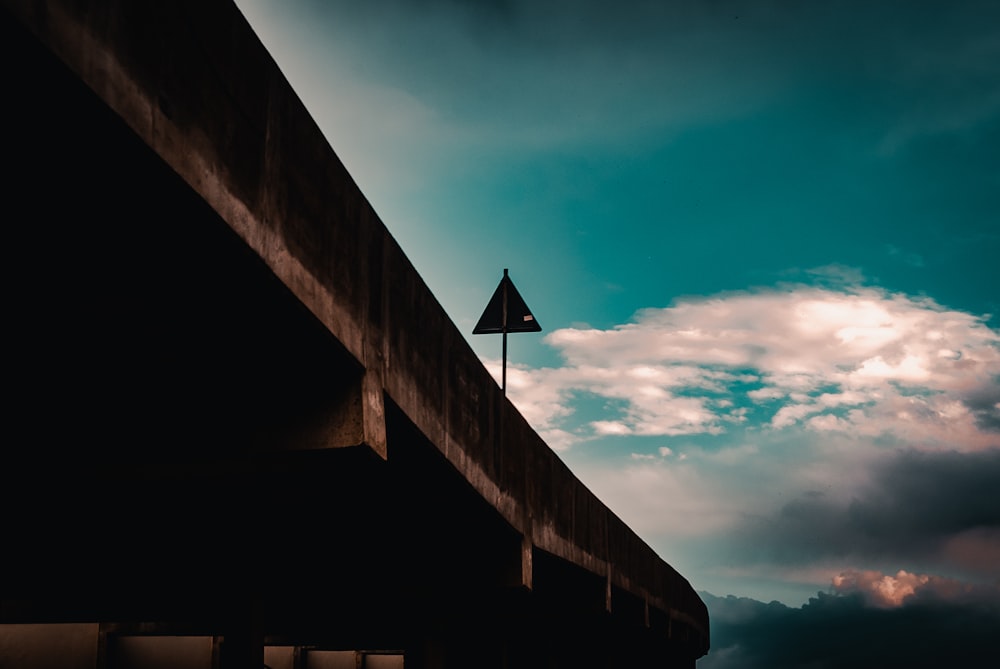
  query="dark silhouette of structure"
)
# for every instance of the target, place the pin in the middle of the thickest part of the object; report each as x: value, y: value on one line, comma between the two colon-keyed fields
x: 239, y: 426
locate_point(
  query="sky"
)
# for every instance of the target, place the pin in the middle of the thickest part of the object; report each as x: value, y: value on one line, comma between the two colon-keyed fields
x: 761, y: 239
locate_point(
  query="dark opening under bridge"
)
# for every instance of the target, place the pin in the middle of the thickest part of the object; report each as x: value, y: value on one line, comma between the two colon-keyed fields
x: 239, y: 425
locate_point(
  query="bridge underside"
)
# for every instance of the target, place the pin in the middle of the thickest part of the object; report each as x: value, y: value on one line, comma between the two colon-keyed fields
x: 171, y: 407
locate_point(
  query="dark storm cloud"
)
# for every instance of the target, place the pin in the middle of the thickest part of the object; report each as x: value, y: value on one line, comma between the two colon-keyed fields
x: 930, y: 495
x: 915, y: 504
x: 985, y: 406
x: 832, y: 631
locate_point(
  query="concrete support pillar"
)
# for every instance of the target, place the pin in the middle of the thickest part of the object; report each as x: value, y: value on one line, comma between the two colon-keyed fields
x: 373, y: 411
x: 527, y: 549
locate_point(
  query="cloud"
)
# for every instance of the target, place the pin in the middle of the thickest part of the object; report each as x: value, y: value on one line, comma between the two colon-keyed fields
x: 670, y: 494
x: 940, y: 626
x: 984, y: 403
x: 932, y: 509
x: 543, y: 405
x: 853, y: 359
x: 804, y: 429
x: 785, y: 511
x: 894, y: 590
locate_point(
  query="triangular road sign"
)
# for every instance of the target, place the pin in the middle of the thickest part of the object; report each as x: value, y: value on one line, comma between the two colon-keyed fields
x: 506, y: 312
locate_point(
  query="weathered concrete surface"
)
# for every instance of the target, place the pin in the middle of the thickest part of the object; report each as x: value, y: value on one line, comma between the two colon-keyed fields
x: 204, y: 301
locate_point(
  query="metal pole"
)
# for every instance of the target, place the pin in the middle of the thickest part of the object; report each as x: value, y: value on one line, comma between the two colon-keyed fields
x: 503, y: 385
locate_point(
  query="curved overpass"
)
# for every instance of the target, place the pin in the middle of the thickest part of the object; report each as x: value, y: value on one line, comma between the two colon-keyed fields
x: 240, y: 412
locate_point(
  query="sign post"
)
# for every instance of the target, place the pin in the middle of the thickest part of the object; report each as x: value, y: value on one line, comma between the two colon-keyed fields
x: 506, y: 312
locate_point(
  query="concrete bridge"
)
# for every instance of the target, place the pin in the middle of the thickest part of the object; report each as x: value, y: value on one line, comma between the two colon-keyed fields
x: 239, y: 427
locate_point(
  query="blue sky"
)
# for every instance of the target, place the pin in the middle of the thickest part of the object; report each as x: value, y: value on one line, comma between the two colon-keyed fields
x: 762, y: 241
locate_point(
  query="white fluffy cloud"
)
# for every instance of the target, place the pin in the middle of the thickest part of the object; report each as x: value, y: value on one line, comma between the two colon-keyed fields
x: 858, y: 360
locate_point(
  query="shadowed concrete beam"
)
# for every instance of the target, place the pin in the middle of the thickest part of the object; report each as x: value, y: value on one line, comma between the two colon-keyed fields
x: 351, y: 416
